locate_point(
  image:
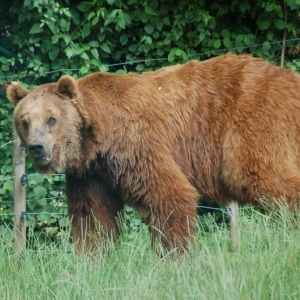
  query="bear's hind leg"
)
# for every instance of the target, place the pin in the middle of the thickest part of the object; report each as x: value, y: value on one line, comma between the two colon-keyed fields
x: 260, y: 160
x: 268, y: 187
x: 284, y: 186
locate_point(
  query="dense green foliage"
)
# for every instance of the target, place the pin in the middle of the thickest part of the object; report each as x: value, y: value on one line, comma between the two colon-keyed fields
x: 44, y: 36
x: 42, y: 39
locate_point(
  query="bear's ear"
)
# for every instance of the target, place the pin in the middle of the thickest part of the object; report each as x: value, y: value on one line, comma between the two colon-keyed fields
x: 15, y: 92
x: 67, y: 87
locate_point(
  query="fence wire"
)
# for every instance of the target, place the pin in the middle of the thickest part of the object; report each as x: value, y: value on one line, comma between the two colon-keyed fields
x: 113, y: 66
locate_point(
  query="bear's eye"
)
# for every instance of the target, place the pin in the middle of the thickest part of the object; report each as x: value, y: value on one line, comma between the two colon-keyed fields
x: 25, y: 124
x: 51, y: 121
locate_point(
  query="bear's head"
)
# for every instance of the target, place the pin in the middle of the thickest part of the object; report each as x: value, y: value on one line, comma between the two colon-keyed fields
x: 49, y: 120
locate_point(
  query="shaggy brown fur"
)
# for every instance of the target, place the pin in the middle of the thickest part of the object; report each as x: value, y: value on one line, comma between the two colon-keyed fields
x: 227, y: 128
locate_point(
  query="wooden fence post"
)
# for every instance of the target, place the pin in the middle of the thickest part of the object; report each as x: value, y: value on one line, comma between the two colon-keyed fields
x: 234, y: 225
x: 19, y: 195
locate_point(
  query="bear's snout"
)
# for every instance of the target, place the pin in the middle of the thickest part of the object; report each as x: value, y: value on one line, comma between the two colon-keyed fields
x: 36, y: 149
x: 39, y: 154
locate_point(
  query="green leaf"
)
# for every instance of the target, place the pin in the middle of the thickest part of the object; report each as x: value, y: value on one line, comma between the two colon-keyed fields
x: 121, y: 21
x: 239, y: 39
x: 279, y: 24
x: 217, y: 44
x: 95, y: 21
x: 263, y: 24
x: 270, y: 7
x: 53, y: 193
x: 105, y: 48
x: 67, y: 38
x: 64, y: 25
x: 293, y: 4
x: 64, y: 222
x: 86, y: 30
x: 52, y: 221
x: 43, y: 217
x: 39, y: 192
x: 42, y: 202
x: 69, y: 53
x: 84, y: 6
x: 95, y: 53
x: 46, y: 46
x: 155, y: 34
x: 27, y: 2
x: 148, y: 40
x: 266, y: 46
x: 140, y: 67
x: 123, y: 39
x: 55, y: 38
x: 245, y: 5
x: 144, y: 17
x: 150, y: 11
x: 270, y: 36
x: 178, y: 52
x: 75, y: 17
x: 53, y: 53
x: 227, y: 43
x: 84, y: 56
x: 94, y: 44
x: 31, y: 204
x: 91, y: 15
x: 121, y: 71
x: 6, y: 233
x: 202, y: 36
x: 104, y: 68
x: 226, y: 34
x: 84, y: 70
x: 8, y: 185
x: 149, y: 28
x: 35, y: 29
x: 247, y: 40
x: 111, y: 17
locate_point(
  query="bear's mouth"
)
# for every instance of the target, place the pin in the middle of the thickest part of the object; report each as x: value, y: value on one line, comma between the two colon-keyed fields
x: 42, y: 160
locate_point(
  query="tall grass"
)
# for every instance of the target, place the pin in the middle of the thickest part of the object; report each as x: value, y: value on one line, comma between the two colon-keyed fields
x: 267, y: 266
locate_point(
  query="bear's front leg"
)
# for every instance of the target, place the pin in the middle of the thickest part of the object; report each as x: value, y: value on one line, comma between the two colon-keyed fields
x: 169, y: 208
x: 93, y: 209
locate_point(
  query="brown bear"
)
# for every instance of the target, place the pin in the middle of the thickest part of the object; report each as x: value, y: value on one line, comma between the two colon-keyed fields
x: 226, y: 128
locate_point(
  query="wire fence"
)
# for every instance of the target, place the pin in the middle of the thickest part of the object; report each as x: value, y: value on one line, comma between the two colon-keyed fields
x: 113, y: 66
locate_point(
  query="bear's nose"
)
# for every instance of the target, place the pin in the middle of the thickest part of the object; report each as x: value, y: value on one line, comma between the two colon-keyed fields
x: 36, y: 148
